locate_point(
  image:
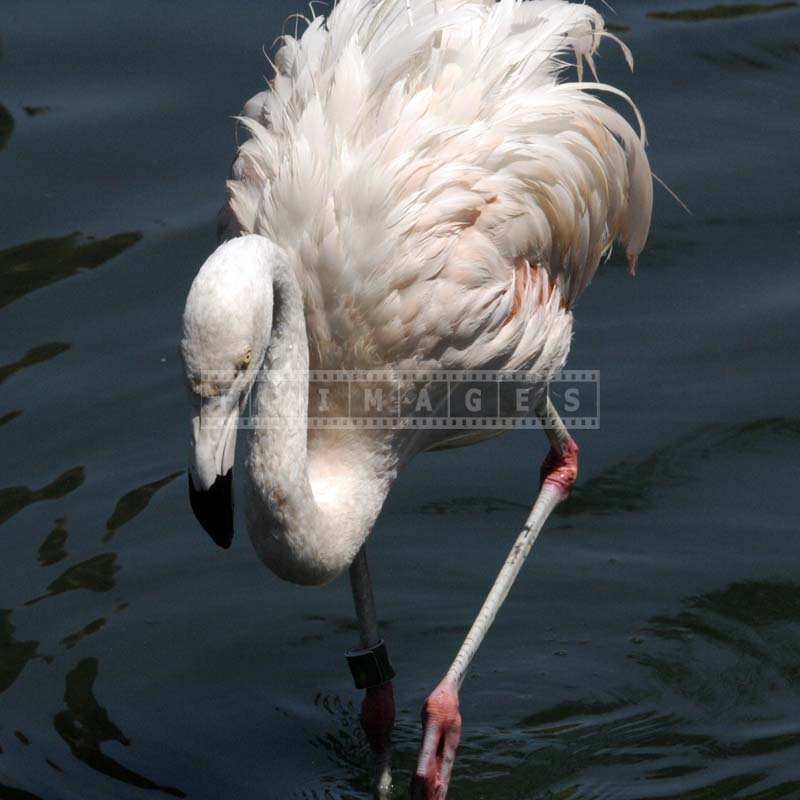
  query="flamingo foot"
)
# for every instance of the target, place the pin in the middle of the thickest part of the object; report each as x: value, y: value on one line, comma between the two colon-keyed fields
x: 560, y: 468
x: 441, y: 721
x: 377, y: 721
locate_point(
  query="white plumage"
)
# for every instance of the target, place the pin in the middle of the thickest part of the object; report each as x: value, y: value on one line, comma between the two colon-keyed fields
x: 443, y: 198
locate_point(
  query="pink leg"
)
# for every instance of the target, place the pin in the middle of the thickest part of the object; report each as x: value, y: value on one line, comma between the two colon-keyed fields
x: 560, y: 467
x: 377, y: 720
x: 441, y: 719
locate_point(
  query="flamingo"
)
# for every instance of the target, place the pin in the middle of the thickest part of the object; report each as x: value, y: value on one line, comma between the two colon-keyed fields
x: 422, y: 189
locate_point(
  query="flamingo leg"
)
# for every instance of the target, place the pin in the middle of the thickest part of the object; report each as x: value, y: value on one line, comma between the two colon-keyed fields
x: 377, y: 708
x: 441, y: 719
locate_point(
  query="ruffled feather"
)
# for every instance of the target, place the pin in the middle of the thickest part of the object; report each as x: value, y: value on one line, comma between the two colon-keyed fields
x: 411, y: 160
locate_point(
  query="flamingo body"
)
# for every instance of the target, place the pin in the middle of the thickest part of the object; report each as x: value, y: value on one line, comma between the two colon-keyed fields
x: 421, y: 190
x: 441, y: 199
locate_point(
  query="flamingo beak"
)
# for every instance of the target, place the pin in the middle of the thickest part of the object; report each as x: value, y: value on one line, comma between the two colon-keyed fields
x: 213, y: 508
x: 213, y: 443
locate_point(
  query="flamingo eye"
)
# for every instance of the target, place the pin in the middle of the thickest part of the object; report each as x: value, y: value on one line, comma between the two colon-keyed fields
x: 244, y: 361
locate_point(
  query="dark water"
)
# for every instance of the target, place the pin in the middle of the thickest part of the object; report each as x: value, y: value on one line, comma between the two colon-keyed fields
x: 652, y: 646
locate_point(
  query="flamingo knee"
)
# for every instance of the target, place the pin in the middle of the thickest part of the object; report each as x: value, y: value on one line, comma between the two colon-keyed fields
x: 560, y: 467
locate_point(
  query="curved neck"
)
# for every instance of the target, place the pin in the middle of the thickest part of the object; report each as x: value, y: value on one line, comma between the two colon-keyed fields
x: 312, y: 496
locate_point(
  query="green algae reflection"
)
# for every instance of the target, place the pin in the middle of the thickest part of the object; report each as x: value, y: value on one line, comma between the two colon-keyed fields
x: 12, y: 793
x: 85, y: 726
x: 34, y: 265
x: 87, y: 630
x: 14, y: 655
x: 96, y: 574
x: 6, y: 126
x: 468, y: 505
x: 14, y: 499
x: 721, y: 11
x: 35, y: 355
x: 51, y: 550
x: 630, y: 485
x: 12, y: 415
x: 730, y: 647
x: 133, y: 503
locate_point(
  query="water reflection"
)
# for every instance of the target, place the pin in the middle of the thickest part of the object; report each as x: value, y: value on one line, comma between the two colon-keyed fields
x: 35, y: 355
x: 14, y: 655
x: 31, y: 266
x: 721, y: 11
x: 85, y: 725
x: 754, y: 603
x: 468, y: 505
x: 630, y: 484
x: 735, y: 61
x: 95, y: 574
x: 6, y: 125
x: 133, y: 503
x: 729, y: 647
x: 15, y: 498
x: 12, y: 793
x: 12, y: 415
x: 87, y: 630
x: 51, y: 550
x: 34, y: 111
x: 572, y: 709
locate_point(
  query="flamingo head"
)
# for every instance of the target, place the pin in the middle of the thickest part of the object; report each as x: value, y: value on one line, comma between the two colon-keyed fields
x: 226, y: 331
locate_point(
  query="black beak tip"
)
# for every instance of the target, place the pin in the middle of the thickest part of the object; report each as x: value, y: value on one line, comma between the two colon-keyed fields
x: 214, y: 508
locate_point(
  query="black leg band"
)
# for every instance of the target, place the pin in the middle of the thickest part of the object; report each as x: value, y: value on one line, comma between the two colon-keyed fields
x: 370, y: 667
